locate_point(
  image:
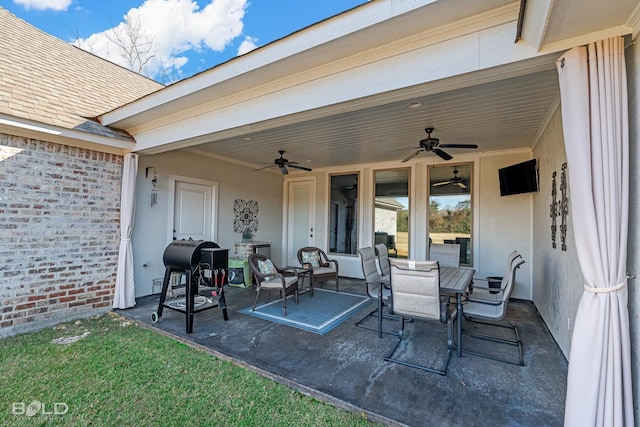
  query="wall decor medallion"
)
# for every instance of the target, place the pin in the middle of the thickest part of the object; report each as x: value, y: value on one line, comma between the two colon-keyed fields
x: 246, y: 217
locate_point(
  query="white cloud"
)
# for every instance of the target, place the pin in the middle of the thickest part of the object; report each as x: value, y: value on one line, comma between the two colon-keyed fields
x: 175, y: 27
x: 247, y: 45
x: 44, y: 4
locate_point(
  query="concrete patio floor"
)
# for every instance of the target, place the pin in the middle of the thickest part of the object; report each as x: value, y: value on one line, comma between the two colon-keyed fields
x: 346, y: 366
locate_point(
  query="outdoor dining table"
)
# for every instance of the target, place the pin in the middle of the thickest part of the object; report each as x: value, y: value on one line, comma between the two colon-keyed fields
x: 456, y: 280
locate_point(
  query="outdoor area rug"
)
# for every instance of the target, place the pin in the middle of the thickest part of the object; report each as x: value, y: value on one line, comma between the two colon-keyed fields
x: 320, y: 313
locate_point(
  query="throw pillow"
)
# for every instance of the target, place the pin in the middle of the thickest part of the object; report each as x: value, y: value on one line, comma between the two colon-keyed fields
x: 267, y: 267
x: 312, y: 258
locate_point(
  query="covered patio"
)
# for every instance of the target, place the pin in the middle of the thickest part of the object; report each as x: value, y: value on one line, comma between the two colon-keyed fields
x: 352, y: 97
x: 345, y: 366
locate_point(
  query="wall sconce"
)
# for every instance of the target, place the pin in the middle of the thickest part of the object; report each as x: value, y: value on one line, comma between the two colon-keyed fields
x: 154, y: 183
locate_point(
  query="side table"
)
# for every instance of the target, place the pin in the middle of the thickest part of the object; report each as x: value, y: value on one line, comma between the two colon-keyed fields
x: 302, y: 273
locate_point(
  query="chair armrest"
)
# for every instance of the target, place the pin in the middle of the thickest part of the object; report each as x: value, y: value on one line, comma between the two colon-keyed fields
x: 481, y: 283
x: 495, y: 302
x: 445, y: 308
x: 484, y: 288
x: 270, y: 276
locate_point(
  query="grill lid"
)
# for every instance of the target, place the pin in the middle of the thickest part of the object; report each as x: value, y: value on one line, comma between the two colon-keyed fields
x: 185, y: 254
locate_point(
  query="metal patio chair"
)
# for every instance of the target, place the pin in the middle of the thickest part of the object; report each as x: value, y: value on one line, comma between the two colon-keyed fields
x: 377, y: 288
x: 415, y: 294
x: 487, y: 308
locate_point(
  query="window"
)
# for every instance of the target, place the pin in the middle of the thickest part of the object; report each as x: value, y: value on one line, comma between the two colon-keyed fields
x: 343, y: 214
x: 450, y: 207
x: 391, y: 216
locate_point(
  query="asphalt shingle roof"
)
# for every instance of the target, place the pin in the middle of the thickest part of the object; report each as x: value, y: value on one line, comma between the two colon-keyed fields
x: 47, y: 80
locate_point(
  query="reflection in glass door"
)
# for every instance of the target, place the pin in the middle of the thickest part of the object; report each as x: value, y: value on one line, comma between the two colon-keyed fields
x: 391, y: 217
x: 343, y: 214
x: 450, y: 207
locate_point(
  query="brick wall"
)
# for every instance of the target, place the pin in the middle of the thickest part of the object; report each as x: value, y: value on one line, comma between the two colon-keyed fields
x: 59, y: 232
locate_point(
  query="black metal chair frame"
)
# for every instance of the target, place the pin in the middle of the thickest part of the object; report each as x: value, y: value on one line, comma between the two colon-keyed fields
x: 378, y: 312
x: 447, y: 317
x: 516, y: 262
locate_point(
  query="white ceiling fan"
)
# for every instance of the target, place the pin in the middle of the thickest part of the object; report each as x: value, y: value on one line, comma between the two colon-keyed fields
x: 456, y: 180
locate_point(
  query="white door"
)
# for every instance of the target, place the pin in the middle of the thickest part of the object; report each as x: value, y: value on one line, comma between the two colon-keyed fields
x: 192, y: 211
x: 301, y: 218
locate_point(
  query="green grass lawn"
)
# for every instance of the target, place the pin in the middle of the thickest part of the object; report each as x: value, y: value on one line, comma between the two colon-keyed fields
x: 120, y: 374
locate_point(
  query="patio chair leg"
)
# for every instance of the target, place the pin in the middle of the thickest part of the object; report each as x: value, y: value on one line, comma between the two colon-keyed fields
x: 255, y: 300
x: 360, y: 322
x: 447, y: 356
x: 516, y: 342
x: 284, y: 306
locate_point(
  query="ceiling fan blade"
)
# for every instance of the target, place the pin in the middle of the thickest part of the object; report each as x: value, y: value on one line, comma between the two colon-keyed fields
x: 266, y: 167
x: 284, y: 170
x: 461, y: 185
x: 458, y: 146
x: 411, y: 156
x: 440, y: 184
x: 299, y: 167
x: 405, y: 149
x: 442, y: 154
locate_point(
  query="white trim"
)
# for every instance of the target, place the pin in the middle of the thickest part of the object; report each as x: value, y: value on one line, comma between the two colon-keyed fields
x: 59, y: 135
x: 555, y: 105
x: 634, y: 21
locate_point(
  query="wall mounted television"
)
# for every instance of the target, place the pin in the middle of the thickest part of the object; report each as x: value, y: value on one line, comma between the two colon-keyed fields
x: 519, y: 178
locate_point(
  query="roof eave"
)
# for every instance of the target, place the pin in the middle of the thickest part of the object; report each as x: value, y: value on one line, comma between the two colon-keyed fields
x: 45, y: 132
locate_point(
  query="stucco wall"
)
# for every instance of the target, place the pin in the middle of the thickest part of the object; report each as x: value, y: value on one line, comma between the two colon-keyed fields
x: 504, y: 224
x: 557, y: 278
x: 59, y: 232
x: 234, y: 182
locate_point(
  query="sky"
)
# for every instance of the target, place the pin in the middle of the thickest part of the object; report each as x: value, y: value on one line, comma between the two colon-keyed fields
x: 176, y: 38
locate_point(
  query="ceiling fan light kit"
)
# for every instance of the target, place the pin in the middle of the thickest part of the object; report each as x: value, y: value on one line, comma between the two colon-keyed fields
x: 433, y: 144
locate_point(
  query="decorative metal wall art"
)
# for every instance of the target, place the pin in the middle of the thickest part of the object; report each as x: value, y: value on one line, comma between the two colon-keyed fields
x: 559, y: 208
x: 563, y: 208
x: 554, y: 210
x: 154, y: 185
x: 246, y: 217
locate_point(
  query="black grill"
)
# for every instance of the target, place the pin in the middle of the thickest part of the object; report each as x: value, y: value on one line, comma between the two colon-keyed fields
x: 203, y: 263
x: 183, y: 255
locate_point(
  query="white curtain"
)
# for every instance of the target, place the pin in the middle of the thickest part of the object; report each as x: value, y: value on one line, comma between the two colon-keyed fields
x: 593, y: 89
x: 125, y: 293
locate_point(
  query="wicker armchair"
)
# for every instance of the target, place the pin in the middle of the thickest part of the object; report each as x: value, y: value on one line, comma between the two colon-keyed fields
x: 282, y: 280
x: 323, y: 267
